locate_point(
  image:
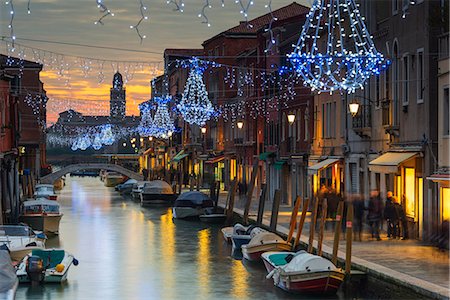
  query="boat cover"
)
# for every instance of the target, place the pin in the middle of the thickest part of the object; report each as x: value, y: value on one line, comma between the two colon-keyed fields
x: 8, y: 277
x: 157, y: 187
x: 265, y: 237
x: 41, y: 201
x: 301, y: 262
x: 252, y: 230
x: 193, y: 198
x: 130, y: 181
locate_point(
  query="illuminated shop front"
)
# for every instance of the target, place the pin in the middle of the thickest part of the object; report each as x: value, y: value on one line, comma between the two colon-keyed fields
x: 327, y: 172
x: 443, y: 181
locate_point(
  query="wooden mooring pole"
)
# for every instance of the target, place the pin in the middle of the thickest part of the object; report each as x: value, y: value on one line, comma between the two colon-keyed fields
x: 301, y: 223
x: 349, y: 235
x: 275, y: 210
x: 322, y: 227
x: 337, y: 231
x: 293, y: 221
x: 313, y: 225
x: 230, y: 208
x: 248, y: 200
x: 261, y: 204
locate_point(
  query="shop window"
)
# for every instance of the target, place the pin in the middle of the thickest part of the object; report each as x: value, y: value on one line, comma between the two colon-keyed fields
x: 405, y: 92
x: 410, y: 192
x: 445, y: 203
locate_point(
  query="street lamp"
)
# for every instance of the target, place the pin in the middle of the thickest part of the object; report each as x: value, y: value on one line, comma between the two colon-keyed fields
x: 353, y: 107
x: 203, y: 129
x: 291, y: 118
x: 169, y: 133
x: 150, y: 138
x: 240, y: 124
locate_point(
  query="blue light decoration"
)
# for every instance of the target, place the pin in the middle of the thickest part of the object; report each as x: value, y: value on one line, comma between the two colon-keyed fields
x: 145, y: 128
x: 335, y: 51
x: 195, y: 106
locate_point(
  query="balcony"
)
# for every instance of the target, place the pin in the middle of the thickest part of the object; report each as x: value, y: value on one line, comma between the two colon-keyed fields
x: 362, y: 122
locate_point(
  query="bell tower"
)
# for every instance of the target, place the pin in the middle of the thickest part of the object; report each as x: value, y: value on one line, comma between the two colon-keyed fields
x: 117, y: 100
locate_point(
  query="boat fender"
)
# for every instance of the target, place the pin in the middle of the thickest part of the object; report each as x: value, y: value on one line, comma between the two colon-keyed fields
x: 288, y: 282
x: 275, y: 274
x: 307, y: 269
x: 59, y: 268
x: 75, y: 262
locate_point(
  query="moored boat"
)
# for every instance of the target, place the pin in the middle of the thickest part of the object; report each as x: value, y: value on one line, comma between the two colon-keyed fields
x: 157, y: 192
x: 45, y: 191
x: 20, y: 240
x: 58, y: 184
x: 42, y: 214
x: 214, y: 215
x: 303, y: 272
x: 191, y: 205
x: 136, y: 190
x: 242, y: 235
x: 264, y: 242
x: 112, y: 179
x: 126, y: 187
x: 47, y: 265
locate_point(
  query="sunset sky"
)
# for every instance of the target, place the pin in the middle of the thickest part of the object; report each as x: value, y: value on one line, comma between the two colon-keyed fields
x: 71, y: 21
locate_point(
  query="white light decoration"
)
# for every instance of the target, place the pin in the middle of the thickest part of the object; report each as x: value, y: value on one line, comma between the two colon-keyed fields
x: 104, y: 10
x: 203, y: 15
x: 195, y: 106
x: 142, y: 10
x: 146, y: 127
x: 335, y: 50
x: 269, y: 28
x: 179, y: 5
x: 163, y: 124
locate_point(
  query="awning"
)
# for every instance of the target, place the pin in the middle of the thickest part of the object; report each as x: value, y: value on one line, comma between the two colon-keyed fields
x: 178, y: 154
x: 388, y: 162
x: 177, y: 158
x: 439, y: 178
x: 265, y: 155
x: 216, y: 159
x: 279, y: 164
x: 314, y: 169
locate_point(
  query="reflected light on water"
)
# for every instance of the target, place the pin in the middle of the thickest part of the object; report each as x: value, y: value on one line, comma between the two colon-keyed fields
x: 240, y: 285
x: 203, y: 260
x: 167, y: 242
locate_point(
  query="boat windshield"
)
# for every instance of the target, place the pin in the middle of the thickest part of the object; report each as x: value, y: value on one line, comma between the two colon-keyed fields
x: 12, y: 230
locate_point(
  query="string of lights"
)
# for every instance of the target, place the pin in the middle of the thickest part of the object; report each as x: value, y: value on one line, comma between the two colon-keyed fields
x: 272, y: 41
x: 244, y: 10
x: 11, y: 20
x: 142, y: 10
x: 179, y: 5
x: 29, y: 7
x: 104, y: 10
x: 203, y: 15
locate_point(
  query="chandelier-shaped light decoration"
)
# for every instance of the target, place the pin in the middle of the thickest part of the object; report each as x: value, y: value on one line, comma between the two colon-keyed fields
x: 195, y: 106
x: 335, y: 50
x: 163, y: 124
x: 146, y: 127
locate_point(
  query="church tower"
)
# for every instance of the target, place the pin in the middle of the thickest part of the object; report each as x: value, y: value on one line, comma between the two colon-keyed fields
x: 117, y: 99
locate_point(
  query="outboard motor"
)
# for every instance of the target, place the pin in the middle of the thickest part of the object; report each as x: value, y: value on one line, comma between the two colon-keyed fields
x: 35, y: 269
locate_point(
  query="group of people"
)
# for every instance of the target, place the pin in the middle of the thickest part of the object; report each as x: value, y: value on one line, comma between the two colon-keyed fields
x: 392, y: 211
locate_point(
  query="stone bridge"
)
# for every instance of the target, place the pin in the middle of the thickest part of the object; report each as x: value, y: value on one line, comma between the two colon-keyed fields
x: 50, y: 178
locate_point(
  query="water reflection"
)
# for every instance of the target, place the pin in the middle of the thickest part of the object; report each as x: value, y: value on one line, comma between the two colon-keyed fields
x: 129, y: 252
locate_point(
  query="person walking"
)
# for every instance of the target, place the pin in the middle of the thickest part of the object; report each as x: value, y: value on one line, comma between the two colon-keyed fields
x: 390, y: 215
x: 375, y: 213
x: 358, y: 205
x: 401, y: 213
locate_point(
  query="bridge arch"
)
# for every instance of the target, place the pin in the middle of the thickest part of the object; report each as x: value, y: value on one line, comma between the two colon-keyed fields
x: 50, y: 178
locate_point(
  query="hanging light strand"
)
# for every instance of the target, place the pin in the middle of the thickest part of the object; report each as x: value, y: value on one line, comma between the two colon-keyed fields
x: 272, y: 41
x: 29, y: 7
x: 203, y: 14
x: 179, y: 5
x: 143, y: 10
x: 104, y: 10
x: 11, y: 22
x: 244, y: 10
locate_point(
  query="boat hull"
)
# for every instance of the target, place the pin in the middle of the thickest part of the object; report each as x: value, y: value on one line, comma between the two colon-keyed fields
x: 240, y: 240
x: 49, y: 224
x: 136, y: 195
x: 227, y: 233
x: 113, y: 181
x: 253, y: 252
x: 324, y: 282
x: 159, y: 199
x: 51, y: 275
x: 58, y: 184
x: 187, y: 212
x: 213, y: 218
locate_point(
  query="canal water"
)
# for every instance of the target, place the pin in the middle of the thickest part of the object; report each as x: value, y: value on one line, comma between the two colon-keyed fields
x: 129, y: 252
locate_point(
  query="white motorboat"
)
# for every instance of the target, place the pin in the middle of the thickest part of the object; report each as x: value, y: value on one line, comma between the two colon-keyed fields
x: 126, y: 187
x: 8, y: 277
x: 42, y: 214
x: 20, y: 240
x: 137, y: 189
x: 47, y: 265
x: 157, y: 192
x: 264, y: 242
x: 191, y: 204
x: 242, y: 235
x: 45, y: 191
x: 303, y: 272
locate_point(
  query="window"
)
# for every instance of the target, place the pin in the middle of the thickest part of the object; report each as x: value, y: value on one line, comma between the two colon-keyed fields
x: 387, y: 84
x: 395, y: 84
x: 405, y: 79
x: 410, y: 192
x: 394, y: 7
x: 445, y: 116
x: 420, y: 76
x: 445, y: 203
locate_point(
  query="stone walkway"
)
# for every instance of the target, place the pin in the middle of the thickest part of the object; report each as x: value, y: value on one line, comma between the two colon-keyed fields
x: 422, y: 268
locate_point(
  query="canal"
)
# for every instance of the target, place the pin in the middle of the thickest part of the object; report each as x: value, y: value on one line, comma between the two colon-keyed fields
x: 129, y: 252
